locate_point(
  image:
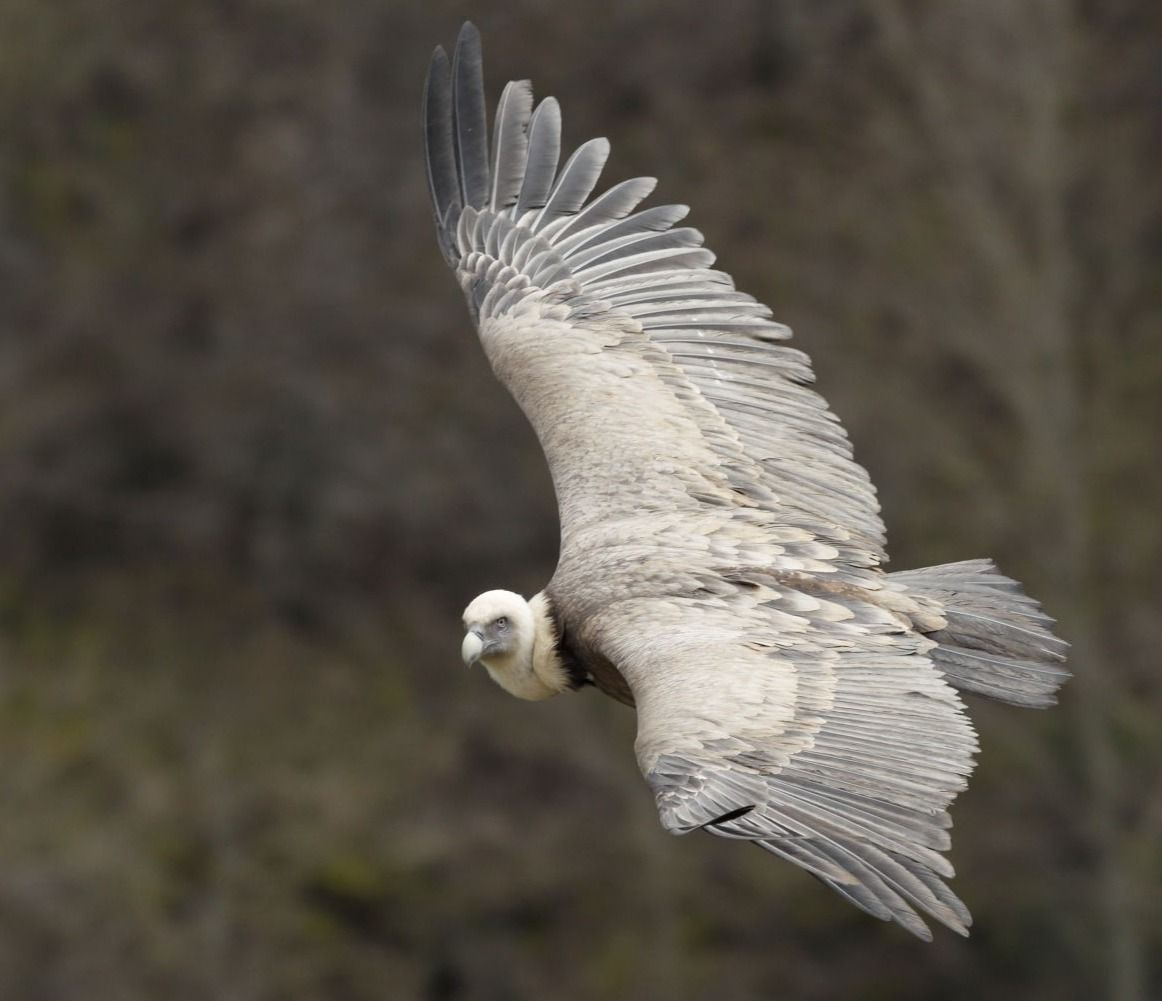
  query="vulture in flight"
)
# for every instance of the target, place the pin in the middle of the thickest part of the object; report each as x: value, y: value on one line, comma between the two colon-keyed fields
x: 721, y: 558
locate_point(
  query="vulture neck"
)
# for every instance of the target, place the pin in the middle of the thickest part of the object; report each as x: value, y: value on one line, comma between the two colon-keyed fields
x: 537, y: 670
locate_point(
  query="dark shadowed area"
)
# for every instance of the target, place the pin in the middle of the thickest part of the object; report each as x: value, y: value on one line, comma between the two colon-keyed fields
x: 253, y: 464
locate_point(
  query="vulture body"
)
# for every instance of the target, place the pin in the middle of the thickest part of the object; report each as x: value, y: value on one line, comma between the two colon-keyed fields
x: 721, y: 552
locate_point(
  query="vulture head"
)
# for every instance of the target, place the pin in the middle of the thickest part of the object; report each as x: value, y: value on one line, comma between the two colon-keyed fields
x: 515, y: 641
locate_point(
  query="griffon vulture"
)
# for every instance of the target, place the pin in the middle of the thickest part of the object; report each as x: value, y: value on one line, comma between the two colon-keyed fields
x: 721, y: 552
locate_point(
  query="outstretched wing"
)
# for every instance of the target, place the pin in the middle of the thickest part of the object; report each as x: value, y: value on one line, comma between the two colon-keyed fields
x: 648, y: 378
x: 815, y: 728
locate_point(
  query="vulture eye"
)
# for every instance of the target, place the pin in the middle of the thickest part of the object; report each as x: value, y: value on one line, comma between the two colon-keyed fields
x: 502, y: 622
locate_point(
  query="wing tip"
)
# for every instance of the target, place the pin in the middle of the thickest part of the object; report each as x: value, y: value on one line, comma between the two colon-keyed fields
x: 468, y: 36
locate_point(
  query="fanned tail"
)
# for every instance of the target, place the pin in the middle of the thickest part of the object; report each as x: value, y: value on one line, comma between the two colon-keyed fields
x: 998, y: 643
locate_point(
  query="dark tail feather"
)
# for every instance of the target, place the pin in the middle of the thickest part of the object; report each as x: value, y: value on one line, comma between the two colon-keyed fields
x: 998, y: 643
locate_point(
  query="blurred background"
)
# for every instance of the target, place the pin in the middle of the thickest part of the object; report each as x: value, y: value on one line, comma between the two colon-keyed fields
x: 253, y: 464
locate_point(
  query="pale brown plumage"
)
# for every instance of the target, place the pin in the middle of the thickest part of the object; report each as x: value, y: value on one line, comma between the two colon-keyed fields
x: 721, y: 551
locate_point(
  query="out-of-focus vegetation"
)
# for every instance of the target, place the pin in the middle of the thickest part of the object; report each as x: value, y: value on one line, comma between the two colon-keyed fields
x: 252, y: 465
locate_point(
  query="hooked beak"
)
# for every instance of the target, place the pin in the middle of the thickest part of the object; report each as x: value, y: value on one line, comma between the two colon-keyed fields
x: 472, y: 648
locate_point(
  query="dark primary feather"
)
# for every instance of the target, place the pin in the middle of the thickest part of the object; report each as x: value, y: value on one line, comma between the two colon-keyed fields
x: 576, y: 182
x: 443, y: 178
x: 544, y: 151
x: 510, y: 146
x: 469, y: 117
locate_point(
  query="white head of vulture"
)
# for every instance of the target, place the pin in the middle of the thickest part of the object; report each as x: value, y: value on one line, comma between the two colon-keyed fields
x: 721, y: 552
